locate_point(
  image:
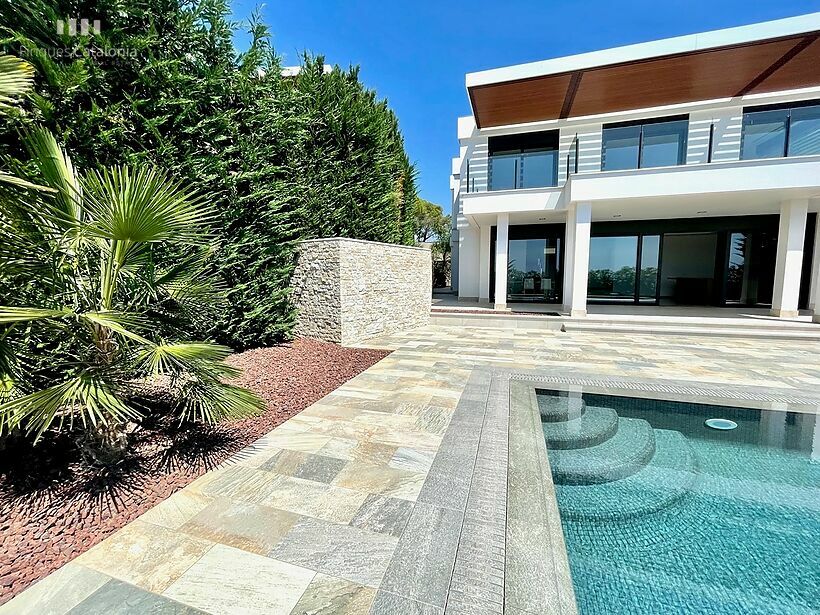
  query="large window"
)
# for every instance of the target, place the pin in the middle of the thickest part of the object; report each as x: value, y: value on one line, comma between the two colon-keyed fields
x: 624, y: 268
x: 528, y: 160
x: 612, y: 268
x: 533, y: 270
x: 774, y: 132
x: 655, y: 143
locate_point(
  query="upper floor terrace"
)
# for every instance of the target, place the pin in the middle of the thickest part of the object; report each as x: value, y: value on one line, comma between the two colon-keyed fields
x: 728, y: 111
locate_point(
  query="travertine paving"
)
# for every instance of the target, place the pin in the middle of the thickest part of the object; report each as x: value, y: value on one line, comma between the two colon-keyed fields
x: 308, y: 518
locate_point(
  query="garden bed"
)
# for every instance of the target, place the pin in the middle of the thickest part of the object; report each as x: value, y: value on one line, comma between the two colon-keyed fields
x: 53, y: 507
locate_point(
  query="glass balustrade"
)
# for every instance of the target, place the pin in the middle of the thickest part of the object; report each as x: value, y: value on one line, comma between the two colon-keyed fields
x: 523, y: 170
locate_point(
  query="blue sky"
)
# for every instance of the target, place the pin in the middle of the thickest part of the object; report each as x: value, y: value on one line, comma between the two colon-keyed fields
x: 416, y: 54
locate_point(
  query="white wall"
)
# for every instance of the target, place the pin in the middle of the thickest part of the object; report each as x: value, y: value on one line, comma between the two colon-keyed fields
x: 589, y: 149
x: 477, y: 154
x: 728, y: 123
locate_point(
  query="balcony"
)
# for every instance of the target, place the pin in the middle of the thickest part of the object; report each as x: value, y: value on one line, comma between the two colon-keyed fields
x: 767, y: 179
x: 523, y: 170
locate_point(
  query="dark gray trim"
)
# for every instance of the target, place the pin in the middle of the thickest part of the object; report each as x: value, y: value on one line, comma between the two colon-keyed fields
x: 538, y: 577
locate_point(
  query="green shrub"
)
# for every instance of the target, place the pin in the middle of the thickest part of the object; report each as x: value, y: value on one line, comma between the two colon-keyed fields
x: 280, y: 158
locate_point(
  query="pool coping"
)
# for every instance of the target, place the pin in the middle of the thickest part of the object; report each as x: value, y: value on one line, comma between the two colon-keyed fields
x: 473, y: 544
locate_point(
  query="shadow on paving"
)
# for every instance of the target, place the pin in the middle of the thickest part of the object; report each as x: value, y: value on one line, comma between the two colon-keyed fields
x: 55, y: 472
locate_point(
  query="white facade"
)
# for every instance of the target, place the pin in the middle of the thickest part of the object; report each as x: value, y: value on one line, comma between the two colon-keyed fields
x: 714, y: 180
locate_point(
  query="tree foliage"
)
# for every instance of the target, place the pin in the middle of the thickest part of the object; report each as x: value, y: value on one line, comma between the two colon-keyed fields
x: 280, y: 158
x: 430, y: 221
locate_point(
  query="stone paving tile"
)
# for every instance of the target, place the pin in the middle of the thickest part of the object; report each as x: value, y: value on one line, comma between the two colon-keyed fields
x: 177, y: 509
x: 387, y: 603
x: 118, y: 598
x: 383, y: 480
x: 284, y: 462
x: 406, y: 458
x: 243, y: 525
x: 319, y: 468
x: 373, y: 453
x: 308, y: 466
x: 59, y: 593
x: 235, y: 582
x: 238, y: 483
x: 328, y: 595
x: 343, y: 551
x: 313, y: 499
x: 423, y: 563
x: 296, y: 495
x: 146, y: 555
x: 434, y: 419
x: 287, y: 439
x: 383, y: 514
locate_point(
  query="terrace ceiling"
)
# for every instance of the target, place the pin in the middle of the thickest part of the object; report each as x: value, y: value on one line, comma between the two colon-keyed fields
x: 784, y: 63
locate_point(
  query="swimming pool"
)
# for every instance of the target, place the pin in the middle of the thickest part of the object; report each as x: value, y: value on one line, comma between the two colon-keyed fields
x: 662, y: 514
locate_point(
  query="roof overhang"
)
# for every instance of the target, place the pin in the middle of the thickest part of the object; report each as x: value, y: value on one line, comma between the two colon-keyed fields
x: 772, y: 56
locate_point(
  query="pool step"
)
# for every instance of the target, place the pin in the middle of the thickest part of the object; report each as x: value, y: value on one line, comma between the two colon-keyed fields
x: 594, y: 426
x: 669, y: 476
x: 559, y: 408
x: 626, y: 452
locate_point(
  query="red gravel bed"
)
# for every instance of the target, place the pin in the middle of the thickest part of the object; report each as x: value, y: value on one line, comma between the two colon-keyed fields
x: 53, y: 506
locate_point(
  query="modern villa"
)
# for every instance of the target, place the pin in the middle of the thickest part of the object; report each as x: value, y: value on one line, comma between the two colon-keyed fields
x: 683, y: 171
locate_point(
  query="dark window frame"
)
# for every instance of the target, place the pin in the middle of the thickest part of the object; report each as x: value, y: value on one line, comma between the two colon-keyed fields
x: 521, y: 144
x: 788, y: 107
x: 682, y: 153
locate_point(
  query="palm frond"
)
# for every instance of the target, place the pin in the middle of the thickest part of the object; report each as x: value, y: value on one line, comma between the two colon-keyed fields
x: 171, y: 359
x: 145, y: 205
x: 16, y: 78
x: 18, y: 182
x: 9, y: 315
x: 212, y: 401
x: 58, y: 173
x: 119, y: 322
x: 89, y: 398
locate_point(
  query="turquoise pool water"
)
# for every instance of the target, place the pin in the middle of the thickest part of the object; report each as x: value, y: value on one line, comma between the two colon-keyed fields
x: 662, y: 514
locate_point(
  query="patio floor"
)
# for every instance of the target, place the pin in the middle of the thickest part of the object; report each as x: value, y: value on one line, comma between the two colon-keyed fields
x: 690, y: 314
x: 307, y: 519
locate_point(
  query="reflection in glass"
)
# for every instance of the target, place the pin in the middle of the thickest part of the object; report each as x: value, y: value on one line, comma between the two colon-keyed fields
x: 650, y: 255
x: 539, y: 169
x: 532, y: 169
x: 738, y: 245
x: 612, y: 262
x: 620, y: 148
x: 503, y: 171
x: 750, y: 267
x: 664, y: 144
x: 764, y: 134
x: 533, y: 270
x: 804, y: 132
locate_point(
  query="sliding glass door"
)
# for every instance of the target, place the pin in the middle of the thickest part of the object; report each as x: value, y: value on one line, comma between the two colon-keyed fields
x: 750, y: 268
x: 624, y: 269
x: 533, y: 272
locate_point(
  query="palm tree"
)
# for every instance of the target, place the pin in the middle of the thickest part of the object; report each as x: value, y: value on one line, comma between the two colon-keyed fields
x: 101, y: 274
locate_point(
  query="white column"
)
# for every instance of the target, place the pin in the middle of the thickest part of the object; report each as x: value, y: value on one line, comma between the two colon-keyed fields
x: 790, y: 239
x: 576, y: 272
x: 816, y: 298
x: 501, y: 247
x: 468, y: 238
x: 484, y: 265
x: 814, y: 295
x: 814, y: 289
